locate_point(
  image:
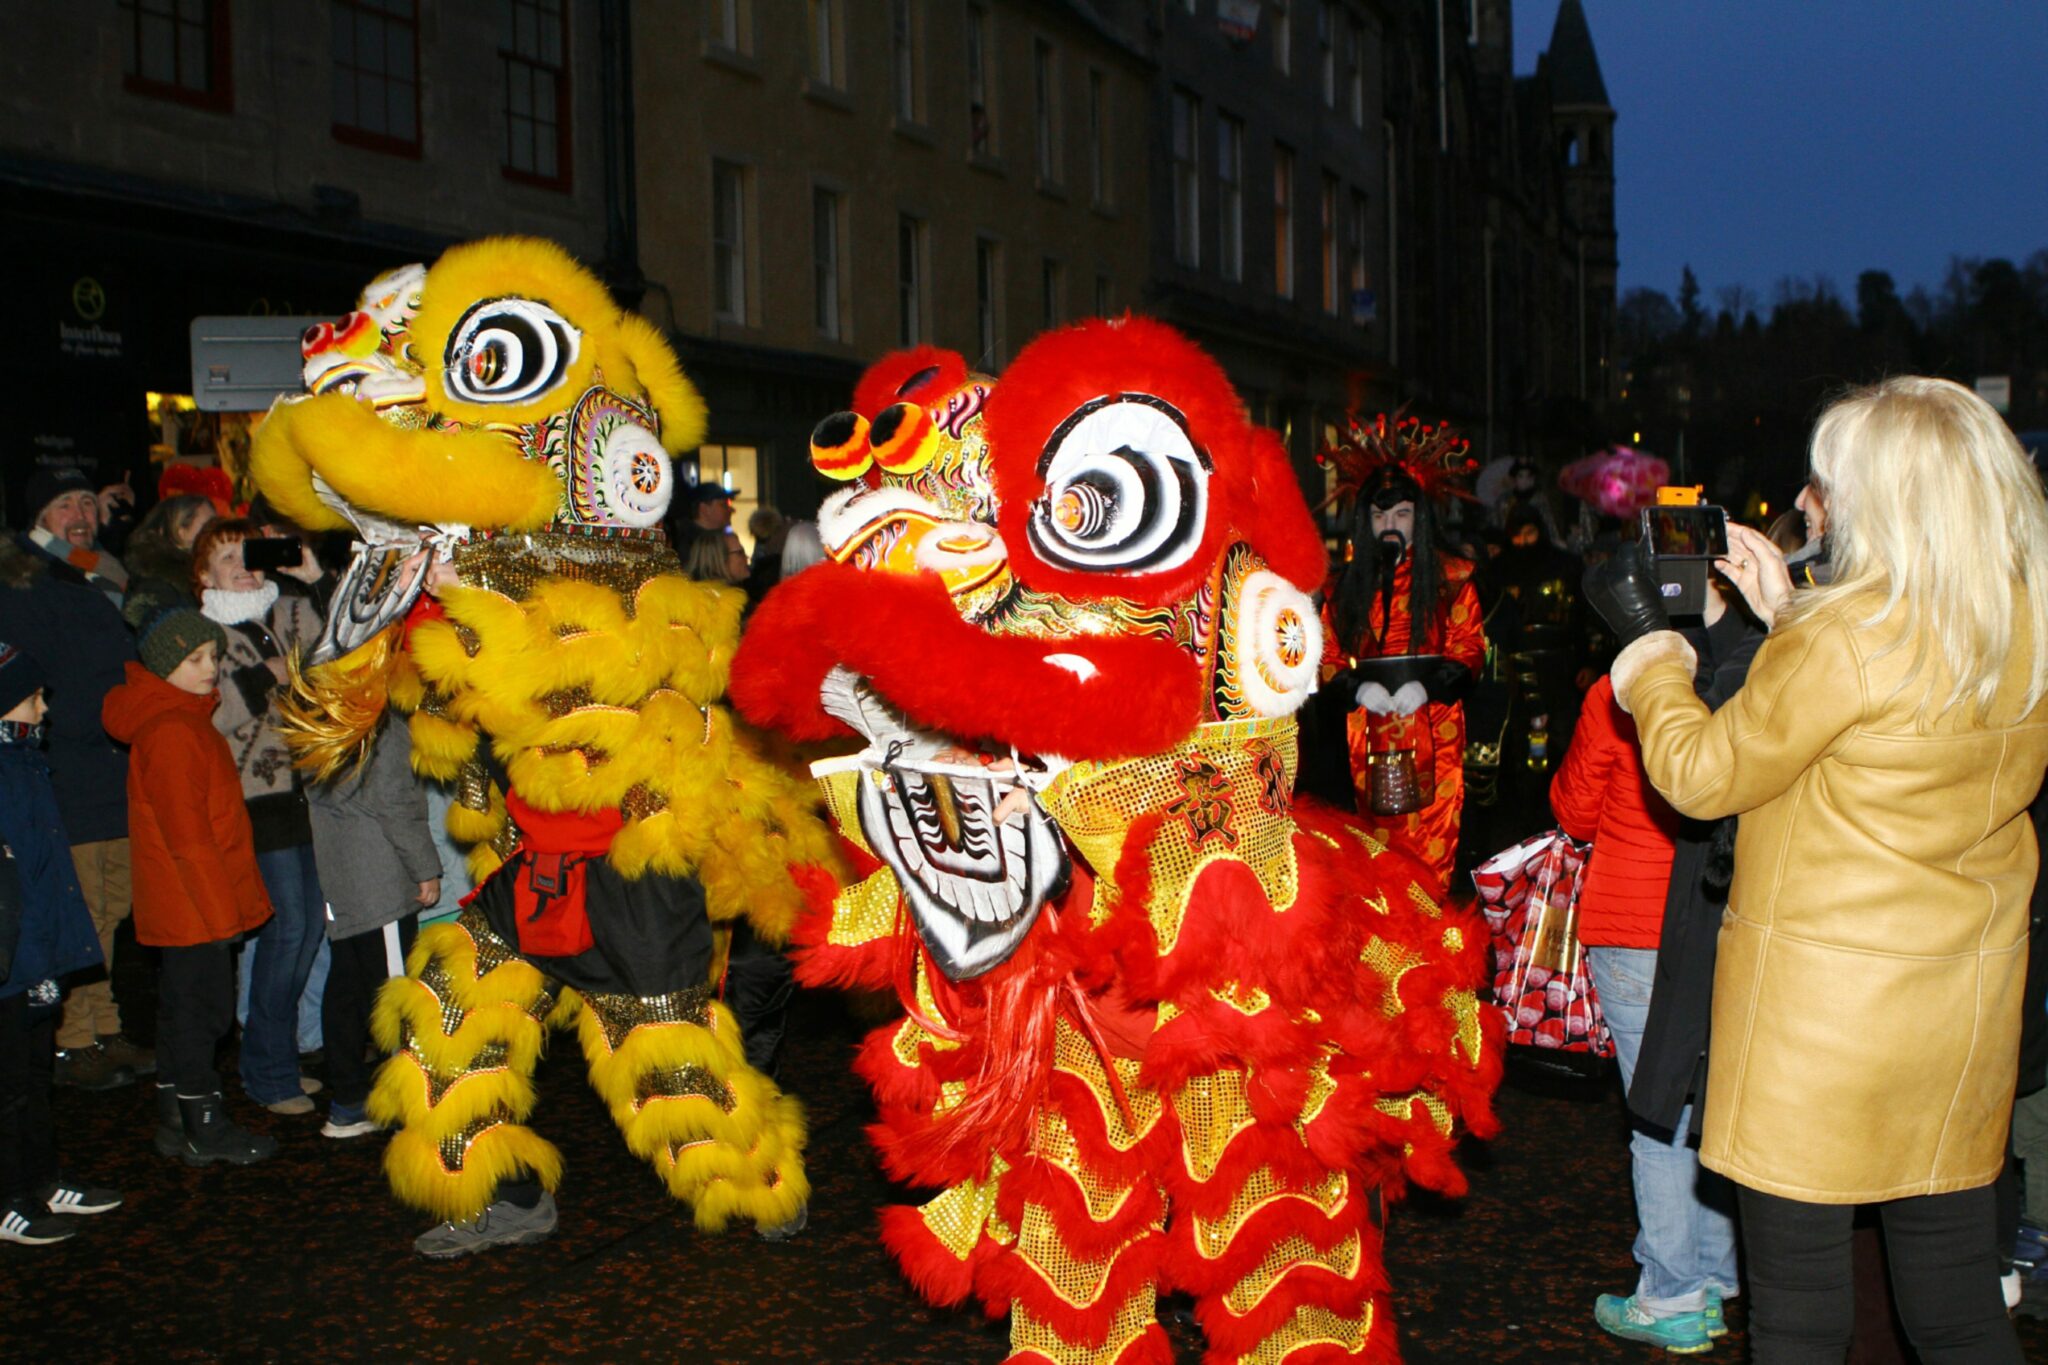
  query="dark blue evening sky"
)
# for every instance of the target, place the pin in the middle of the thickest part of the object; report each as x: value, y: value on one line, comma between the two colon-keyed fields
x: 1759, y: 139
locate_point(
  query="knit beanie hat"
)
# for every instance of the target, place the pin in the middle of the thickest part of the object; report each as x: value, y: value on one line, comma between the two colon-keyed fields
x: 49, y: 483
x: 171, y: 635
x: 19, y: 677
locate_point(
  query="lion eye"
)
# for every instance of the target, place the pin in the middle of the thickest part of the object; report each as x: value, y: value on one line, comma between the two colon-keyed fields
x: 1126, y: 490
x: 509, y: 351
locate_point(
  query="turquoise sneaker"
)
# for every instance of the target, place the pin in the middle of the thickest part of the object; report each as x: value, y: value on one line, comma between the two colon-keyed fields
x: 1717, y: 1326
x: 1682, y: 1334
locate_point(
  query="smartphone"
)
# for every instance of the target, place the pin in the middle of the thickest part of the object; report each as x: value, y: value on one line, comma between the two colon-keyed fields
x: 268, y: 554
x: 1696, y: 532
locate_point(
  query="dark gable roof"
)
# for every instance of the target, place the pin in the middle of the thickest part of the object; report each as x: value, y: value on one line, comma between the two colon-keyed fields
x: 1573, y: 68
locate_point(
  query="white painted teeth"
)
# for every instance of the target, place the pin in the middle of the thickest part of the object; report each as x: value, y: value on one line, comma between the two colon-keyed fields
x: 973, y: 899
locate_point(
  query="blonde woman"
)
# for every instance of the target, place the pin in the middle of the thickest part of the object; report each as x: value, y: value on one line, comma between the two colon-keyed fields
x: 1881, y: 757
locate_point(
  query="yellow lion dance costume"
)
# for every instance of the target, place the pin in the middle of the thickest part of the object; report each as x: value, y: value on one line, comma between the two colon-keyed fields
x: 498, y: 415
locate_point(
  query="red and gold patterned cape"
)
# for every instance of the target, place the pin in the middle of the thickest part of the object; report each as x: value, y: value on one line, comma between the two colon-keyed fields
x: 1436, y: 733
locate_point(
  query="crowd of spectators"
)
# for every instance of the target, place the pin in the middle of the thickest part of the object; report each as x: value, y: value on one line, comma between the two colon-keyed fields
x: 166, y: 852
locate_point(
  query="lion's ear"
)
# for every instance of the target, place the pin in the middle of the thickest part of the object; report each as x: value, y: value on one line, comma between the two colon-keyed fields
x: 917, y: 375
x: 674, y: 398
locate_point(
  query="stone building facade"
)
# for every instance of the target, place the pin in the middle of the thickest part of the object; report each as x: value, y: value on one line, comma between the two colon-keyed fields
x: 821, y: 181
x: 1346, y: 200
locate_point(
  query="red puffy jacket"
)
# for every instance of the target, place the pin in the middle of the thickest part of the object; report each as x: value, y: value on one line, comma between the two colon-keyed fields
x: 188, y: 828
x: 1601, y: 793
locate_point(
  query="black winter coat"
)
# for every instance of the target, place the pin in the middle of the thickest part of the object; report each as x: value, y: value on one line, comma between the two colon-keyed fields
x: 69, y: 627
x: 1671, y: 1069
x: 52, y: 935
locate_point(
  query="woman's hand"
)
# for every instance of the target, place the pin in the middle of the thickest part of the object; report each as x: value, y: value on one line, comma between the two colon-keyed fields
x: 429, y: 893
x: 1757, y: 569
x: 308, y: 569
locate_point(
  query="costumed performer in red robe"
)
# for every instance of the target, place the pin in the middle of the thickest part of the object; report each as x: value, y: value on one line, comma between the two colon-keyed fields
x: 1395, y: 577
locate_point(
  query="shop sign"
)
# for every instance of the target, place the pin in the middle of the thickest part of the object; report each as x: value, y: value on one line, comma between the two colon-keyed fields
x: 81, y: 336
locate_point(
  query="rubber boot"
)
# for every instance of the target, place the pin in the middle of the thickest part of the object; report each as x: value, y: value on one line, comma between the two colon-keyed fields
x: 170, y: 1124
x: 210, y: 1135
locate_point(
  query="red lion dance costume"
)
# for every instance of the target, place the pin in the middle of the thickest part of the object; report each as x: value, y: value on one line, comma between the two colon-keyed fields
x: 1389, y: 582
x: 1164, y: 1030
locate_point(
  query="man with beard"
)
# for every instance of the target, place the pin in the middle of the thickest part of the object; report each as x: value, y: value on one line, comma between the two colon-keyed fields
x: 1402, y: 638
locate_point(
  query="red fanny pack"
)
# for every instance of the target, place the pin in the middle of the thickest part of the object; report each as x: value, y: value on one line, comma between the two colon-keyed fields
x: 548, y: 875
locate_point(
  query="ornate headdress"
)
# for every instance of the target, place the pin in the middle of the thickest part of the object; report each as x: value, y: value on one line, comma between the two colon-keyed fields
x: 1369, y: 455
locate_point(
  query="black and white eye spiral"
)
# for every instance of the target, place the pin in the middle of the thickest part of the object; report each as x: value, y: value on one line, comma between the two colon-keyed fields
x: 509, y: 351
x: 1126, y: 490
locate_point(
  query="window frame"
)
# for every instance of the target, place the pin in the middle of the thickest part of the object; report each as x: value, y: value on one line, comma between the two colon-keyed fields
x: 564, y: 176
x: 1326, y: 42
x: 988, y: 302
x: 1046, y: 124
x: 368, y: 139
x: 1230, y: 196
x: 739, y: 274
x: 736, y: 37
x: 1286, y: 274
x: 1333, y: 294
x: 1185, y: 179
x: 978, y: 69
x: 906, y: 62
x: 833, y: 75
x: 1354, y: 27
x: 1052, y: 290
x: 1355, y: 274
x: 913, y: 293
x: 1101, y: 141
x: 219, y: 94
x: 828, y: 262
x: 1283, y: 37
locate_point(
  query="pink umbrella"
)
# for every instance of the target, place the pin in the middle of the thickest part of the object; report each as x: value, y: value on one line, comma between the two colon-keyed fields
x: 1615, y: 481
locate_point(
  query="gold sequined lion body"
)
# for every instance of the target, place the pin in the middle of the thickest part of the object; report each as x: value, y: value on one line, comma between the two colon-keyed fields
x: 498, y: 435
x: 1165, y: 1029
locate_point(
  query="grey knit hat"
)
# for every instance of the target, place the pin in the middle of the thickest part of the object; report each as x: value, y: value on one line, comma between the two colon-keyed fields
x: 169, y: 637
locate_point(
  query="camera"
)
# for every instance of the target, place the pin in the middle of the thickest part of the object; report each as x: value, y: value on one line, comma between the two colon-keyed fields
x: 268, y: 554
x: 1684, y: 535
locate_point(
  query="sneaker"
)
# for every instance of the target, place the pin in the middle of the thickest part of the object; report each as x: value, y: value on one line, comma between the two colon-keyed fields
x: 210, y: 1135
x: 90, y: 1068
x: 2030, y: 1247
x: 349, y: 1121
x: 311, y: 1085
x: 297, y: 1104
x: 784, y: 1231
x: 134, y: 1056
x: 75, y: 1196
x: 1711, y: 1316
x: 1682, y: 1334
x: 501, y: 1225
x: 30, y: 1224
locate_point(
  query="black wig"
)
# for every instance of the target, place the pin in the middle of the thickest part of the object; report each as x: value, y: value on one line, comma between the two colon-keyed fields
x: 1370, y: 573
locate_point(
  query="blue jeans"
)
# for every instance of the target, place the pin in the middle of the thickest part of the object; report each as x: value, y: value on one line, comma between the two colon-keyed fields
x: 309, y: 1000
x: 1686, y: 1242
x: 285, y: 949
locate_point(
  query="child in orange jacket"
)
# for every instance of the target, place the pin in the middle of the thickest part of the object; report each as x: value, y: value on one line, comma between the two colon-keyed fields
x: 197, y: 889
